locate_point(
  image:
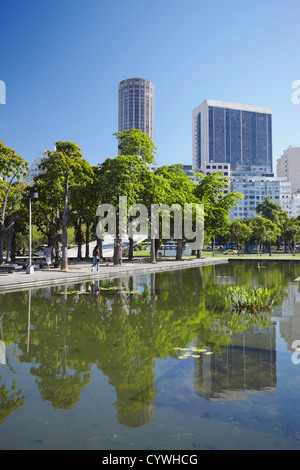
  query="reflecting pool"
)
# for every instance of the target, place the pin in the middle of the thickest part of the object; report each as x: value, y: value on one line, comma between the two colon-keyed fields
x: 152, y: 362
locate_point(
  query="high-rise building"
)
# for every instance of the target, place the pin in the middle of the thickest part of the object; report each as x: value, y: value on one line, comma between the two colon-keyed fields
x: 231, y: 133
x: 136, y: 105
x: 33, y: 170
x: 255, y: 183
x: 288, y: 165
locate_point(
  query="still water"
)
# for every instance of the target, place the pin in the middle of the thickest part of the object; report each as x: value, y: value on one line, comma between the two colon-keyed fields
x: 98, y: 365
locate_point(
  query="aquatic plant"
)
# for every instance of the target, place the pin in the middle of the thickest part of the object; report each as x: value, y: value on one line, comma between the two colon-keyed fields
x: 244, y: 298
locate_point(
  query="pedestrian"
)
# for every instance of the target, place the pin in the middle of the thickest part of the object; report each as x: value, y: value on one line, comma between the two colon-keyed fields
x: 48, y: 255
x: 96, y: 258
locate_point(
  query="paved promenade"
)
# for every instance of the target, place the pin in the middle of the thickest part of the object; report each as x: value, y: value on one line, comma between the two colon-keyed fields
x: 20, y: 280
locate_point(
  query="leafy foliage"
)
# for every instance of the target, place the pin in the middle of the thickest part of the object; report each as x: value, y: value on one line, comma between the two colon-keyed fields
x: 251, y: 299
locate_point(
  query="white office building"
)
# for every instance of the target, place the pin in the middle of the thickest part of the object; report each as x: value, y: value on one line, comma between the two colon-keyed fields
x: 295, y: 205
x: 288, y: 166
x: 33, y: 170
x: 255, y: 183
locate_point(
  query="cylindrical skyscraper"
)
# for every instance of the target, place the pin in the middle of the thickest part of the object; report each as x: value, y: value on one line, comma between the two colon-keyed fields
x: 136, y: 105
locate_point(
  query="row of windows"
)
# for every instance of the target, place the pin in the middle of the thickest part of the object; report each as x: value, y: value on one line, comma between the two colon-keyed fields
x: 214, y: 167
x: 225, y: 173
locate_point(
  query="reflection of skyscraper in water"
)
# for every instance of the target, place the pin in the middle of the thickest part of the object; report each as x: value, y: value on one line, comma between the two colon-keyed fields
x: 135, y: 396
x: 289, y: 320
x: 2, y: 352
x: 246, y: 366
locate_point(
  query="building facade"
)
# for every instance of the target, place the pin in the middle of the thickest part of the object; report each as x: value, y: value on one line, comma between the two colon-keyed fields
x: 231, y: 133
x: 295, y: 205
x: 33, y: 170
x: 255, y: 183
x: 288, y: 166
x: 136, y: 106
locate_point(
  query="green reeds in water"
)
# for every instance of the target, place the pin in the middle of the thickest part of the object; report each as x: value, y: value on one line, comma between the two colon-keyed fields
x: 244, y: 298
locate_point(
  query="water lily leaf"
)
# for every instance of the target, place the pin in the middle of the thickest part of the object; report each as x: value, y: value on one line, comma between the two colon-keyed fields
x: 208, y: 353
x: 112, y: 288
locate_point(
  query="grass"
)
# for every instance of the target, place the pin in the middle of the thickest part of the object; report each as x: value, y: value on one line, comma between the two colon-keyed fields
x: 220, y: 254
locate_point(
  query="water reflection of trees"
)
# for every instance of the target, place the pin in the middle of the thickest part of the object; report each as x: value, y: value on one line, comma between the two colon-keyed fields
x: 122, y: 334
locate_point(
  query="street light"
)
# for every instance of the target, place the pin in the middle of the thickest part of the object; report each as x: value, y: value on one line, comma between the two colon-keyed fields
x: 29, y: 196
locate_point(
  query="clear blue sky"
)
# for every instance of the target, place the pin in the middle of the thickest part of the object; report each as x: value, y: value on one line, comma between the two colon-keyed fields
x: 62, y: 61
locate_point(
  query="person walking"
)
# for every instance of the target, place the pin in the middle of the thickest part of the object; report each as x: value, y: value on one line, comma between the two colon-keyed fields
x: 96, y: 258
x: 48, y: 255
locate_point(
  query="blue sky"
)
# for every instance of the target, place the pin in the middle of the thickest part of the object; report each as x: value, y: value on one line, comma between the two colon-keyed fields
x: 62, y: 61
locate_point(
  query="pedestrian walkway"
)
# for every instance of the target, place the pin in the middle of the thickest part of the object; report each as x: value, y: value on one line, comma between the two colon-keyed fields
x: 20, y: 280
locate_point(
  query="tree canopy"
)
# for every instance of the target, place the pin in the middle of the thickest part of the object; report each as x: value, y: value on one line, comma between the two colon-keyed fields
x: 65, y: 168
x: 13, y: 168
x: 136, y: 142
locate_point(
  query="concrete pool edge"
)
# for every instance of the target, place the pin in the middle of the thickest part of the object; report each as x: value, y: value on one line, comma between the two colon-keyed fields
x: 82, y: 272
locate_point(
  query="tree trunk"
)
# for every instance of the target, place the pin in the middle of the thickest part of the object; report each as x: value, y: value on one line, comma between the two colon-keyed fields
x: 79, y: 240
x: 152, y: 251
x: 1, y: 243
x: 157, y: 245
x: 9, y: 244
x: 118, y: 248
x: 64, y: 261
x: 179, y: 250
x: 13, y: 248
x: 87, y: 238
x: 130, y: 249
x: 118, y: 252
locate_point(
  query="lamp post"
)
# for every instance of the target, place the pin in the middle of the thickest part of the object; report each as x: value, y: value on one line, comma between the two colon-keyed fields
x: 29, y: 196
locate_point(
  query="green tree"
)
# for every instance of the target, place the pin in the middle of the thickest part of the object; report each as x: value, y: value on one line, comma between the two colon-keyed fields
x: 15, y: 218
x: 264, y: 231
x: 48, y: 208
x: 273, y: 211
x: 136, y: 142
x: 240, y: 232
x: 293, y: 232
x: 217, y: 205
x: 13, y: 168
x: 66, y: 167
x: 156, y: 191
x: 85, y: 200
x: 124, y: 175
x: 181, y: 191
